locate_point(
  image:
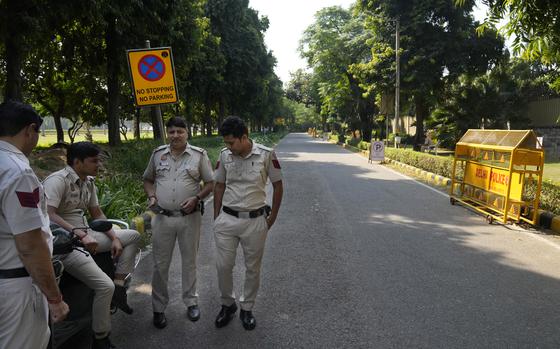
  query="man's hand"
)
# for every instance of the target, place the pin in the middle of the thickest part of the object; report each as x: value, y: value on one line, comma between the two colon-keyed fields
x: 189, y: 205
x: 90, y: 244
x: 58, y: 311
x: 270, y: 221
x: 152, y: 201
x: 116, y: 248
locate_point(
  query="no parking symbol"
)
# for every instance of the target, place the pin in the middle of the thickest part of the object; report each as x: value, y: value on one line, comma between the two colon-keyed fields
x: 153, y: 76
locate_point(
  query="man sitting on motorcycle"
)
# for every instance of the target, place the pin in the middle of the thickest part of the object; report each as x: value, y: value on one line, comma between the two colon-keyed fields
x: 71, y: 193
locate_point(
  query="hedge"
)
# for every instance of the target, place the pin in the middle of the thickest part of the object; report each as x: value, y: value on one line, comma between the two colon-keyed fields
x: 550, y: 193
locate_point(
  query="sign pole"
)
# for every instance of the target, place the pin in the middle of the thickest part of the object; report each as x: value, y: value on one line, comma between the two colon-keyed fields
x: 156, y: 112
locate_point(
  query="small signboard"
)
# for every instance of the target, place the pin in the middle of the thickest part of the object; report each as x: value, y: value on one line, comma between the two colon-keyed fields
x: 377, y: 151
x: 153, y: 76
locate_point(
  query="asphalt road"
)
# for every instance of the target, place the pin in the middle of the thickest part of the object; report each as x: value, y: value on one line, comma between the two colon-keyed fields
x: 362, y: 257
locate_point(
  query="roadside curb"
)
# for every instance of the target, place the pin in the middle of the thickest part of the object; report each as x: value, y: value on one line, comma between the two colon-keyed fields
x: 432, y: 177
x: 546, y: 219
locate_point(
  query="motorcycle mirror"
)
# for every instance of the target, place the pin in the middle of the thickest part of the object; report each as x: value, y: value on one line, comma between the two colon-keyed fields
x: 100, y: 225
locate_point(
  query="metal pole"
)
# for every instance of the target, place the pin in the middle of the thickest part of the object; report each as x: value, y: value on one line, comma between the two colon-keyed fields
x: 156, y: 111
x: 398, y: 81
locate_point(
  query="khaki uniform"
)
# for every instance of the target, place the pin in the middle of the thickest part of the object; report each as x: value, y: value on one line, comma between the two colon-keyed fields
x: 176, y: 179
x: 245, y: 180
x: 23, y: 307
x: 72, y: 197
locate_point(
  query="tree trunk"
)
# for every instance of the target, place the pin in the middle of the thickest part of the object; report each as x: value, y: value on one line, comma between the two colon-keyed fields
x: 421, y: 115
x: 137, y: 124
x: 208, y: 117
x: 113, y: 70
x: 14, y: 54
x: 58, y: 127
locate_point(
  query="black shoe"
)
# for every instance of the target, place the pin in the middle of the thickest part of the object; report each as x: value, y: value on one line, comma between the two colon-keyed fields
x: 248, y: 320
x: 120, y: 299
x: 193, y: 313
x: 159, y: 320
x: 102, y: 343
x: 225, y: 315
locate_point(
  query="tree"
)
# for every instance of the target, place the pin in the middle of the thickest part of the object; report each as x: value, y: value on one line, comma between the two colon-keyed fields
x: 438, y: 43
x: 331, y: 45
x: 533, y: 24
x: 247, y: 78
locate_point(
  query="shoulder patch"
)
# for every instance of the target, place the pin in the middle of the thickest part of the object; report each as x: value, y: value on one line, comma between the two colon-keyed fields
x: 198, y: 149
x: 91, y: 179
x: 260, y: 146
x: 161, y: 147
x: 56, y: 174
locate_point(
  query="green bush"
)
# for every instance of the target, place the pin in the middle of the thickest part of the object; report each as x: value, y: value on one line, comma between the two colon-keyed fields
x: 436, y: 164
x: 443, y: 166
x: 120, y: 190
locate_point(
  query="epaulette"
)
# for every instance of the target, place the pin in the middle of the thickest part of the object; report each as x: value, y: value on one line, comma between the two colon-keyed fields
x: 198, y: 149
x: 91, y: 178
x: 161, y: 147
x: 260, y: 146
x: 223, y: 149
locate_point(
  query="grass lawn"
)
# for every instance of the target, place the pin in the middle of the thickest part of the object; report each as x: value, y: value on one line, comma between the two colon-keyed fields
x: 552, y: 172
x: 48, y: 138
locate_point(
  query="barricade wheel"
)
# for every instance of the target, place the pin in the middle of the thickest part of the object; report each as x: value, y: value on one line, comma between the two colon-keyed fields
x: 452, y: 201
x: 489, y: 219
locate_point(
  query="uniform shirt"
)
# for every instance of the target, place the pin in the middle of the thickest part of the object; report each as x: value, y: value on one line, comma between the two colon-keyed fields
x: 70, y: 195
x: 22, y: 204
x: 245, y: 178
x: 177, y: 178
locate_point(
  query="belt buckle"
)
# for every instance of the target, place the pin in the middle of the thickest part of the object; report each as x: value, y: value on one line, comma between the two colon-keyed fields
x: 243, y: 215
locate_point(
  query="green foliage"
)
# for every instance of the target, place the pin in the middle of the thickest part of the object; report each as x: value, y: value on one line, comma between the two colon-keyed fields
x: 438, y: 44
x: 334, y: 42
x: 443, y: 166
x: 121, y: 196
x: 436, y: 164
x: 120, y: 191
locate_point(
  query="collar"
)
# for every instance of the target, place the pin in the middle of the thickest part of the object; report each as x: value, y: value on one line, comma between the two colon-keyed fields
x: 255, y: 150
x: 70, y: 173
x: 187, y: 150
x: 7, y: 146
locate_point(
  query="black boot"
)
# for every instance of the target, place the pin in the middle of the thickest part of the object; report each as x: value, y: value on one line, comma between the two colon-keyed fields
x: 225, y: 315
x: 102, y: 343
x: 120, y: 299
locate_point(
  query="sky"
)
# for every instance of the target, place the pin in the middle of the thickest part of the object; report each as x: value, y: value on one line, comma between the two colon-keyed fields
x: 288, y: 20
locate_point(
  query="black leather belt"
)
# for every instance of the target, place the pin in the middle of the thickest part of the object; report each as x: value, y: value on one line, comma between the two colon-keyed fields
x: 177, y: 213
x: 250, y: 214
x: 13, y: 273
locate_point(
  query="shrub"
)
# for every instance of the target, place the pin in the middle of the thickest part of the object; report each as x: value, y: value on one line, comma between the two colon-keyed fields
x: 443, y: 166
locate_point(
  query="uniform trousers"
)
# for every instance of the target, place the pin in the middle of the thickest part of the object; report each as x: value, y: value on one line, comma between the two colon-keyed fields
x: 185, y: 230
x: 23, y: 315
x: 84, y: 268
x: 229, y: 232
x: 130, y: 240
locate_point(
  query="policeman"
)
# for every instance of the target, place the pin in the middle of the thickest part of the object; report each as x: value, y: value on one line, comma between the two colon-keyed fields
x: 172, y: 183
x: 71, y: 193
x: 241, y: 214
x: 28, y: 288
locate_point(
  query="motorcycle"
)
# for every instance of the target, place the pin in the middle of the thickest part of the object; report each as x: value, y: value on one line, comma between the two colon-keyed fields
x: 75, y: 331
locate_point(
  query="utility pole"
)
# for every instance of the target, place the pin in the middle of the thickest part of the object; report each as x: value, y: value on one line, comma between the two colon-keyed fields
x: 398, y: 79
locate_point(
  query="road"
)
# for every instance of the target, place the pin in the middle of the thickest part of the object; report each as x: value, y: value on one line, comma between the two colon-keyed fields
x: 363, y: 257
